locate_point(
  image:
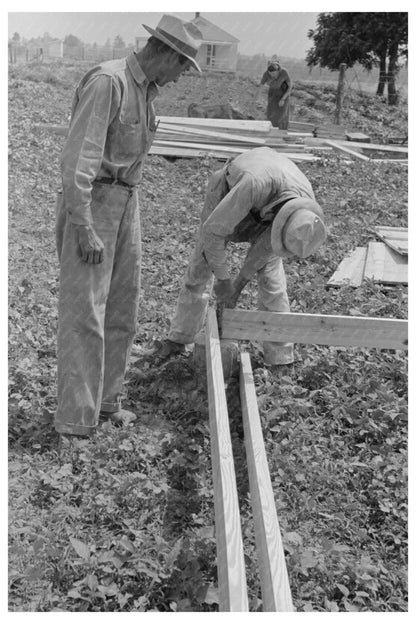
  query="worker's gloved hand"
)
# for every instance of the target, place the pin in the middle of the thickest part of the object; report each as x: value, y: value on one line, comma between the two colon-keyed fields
x: 224, y: 291
x: 90, y: 245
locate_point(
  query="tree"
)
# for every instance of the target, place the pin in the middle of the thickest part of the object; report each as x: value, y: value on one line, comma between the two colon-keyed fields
x: 72, y: 41
x: 119, y: 42
x: 370, y: 39
x: 16, y: 38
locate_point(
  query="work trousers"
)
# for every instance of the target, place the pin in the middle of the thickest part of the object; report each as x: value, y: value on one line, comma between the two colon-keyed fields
x: 98, y: 305
x: 192, y: 303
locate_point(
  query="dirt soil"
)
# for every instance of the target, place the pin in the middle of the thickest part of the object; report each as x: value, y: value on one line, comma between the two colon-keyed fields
x: 124, y: 521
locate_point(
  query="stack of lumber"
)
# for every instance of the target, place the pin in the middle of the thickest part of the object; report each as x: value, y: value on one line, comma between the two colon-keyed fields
x: 301, y: 126
x: 330, y: 131
x: 381, y: 262
x: 222, y: 138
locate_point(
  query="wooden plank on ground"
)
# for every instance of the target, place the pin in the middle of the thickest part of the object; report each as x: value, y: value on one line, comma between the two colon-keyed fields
x: 394, y: 237
x: 201, y: 146
x: 376, y: 147
x: 349, y: 331
x: 351, y: 270
x: 230, y: 557
x: 224, y: 149
x: 275, y: 589
x: 301, y: 126
x: 358, y: 137
x: 223, y: 136
x: 385, y: 266
x: 236, y: 124
x: 187, y: 152
x: 343, y: 148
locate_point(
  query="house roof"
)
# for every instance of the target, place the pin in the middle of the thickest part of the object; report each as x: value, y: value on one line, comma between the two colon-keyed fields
x: 210, y: 32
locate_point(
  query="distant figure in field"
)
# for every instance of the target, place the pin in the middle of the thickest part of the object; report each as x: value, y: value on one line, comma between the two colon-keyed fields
x: 216, y: 111
x: 280, y: 86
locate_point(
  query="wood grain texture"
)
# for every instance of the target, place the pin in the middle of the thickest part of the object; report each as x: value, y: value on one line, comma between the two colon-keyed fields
x: 230, y: 558
x: 275, y: 589
x: 231, y: 124
x: 385, y: 266
x: 395, y: 237
x: 354, y: 331
x: 210, y: 134
x: 351, y: 270
x: 343, y: 148
x: 376, y: 147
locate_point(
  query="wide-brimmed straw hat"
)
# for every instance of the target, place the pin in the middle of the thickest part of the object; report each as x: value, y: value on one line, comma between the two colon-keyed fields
x: 183, y: 37
x: 298, y: 228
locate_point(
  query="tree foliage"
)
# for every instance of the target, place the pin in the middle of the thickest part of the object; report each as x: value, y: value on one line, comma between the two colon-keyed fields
x: 119, y: 42
x: 72, y: 41
x: 370, y: 39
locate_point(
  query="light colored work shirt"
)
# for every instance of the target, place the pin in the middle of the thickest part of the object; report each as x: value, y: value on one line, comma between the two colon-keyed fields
x: 112, y: 128
x: 254, y: 179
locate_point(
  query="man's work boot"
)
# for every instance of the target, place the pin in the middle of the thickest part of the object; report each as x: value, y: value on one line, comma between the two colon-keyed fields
x: 118, y: 419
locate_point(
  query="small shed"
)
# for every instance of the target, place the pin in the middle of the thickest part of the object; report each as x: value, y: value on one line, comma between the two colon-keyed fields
x: 219, y: 49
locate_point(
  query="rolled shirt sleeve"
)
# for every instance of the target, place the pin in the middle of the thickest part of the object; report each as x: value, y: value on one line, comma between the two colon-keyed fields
x: 97, y: 102
x: 221, y: 223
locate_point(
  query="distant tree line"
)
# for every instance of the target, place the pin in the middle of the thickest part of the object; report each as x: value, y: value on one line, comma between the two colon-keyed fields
x: 69, y: 40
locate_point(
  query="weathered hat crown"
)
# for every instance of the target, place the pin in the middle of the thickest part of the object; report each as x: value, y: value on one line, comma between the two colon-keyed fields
x: 298, y: 228
x: 183, y: 37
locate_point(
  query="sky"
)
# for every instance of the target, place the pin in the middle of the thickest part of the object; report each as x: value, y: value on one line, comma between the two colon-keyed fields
x: 284, y: 34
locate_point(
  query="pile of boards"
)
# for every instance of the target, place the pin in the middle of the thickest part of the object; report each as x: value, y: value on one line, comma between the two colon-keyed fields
x: 189, y: 137
x: 383, y: 262
x: 194, y: 137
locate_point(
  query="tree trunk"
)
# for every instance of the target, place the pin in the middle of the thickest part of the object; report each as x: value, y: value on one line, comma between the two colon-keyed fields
x: 392, y: 70
x: 382, y: 78
x: 340, y: 93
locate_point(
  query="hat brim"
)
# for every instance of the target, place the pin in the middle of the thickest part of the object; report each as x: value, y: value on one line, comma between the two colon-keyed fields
x: 281, y: 218
x: 159, y: 36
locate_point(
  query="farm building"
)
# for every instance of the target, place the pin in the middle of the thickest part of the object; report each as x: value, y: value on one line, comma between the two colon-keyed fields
x: 219, y: 49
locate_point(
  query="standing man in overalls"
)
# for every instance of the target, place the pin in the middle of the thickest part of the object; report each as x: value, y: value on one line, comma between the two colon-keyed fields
x: 98, y: 225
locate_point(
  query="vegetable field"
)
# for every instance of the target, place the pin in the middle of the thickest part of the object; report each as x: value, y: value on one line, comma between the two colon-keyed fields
x: 124, y: 521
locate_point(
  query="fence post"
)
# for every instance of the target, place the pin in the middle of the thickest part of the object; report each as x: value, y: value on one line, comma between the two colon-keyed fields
x: 340, y: 93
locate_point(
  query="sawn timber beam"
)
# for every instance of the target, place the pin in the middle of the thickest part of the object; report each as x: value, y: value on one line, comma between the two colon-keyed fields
x: 348, y: 331
x: 230, y: 556
x: 274, y: 581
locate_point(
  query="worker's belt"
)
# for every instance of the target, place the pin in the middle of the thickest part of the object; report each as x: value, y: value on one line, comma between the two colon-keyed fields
x: 114, y: 182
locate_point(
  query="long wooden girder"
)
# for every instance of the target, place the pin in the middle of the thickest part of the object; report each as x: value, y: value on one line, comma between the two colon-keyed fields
x: 349, y: 331
x: 230, y: 557
x: 275, y: 589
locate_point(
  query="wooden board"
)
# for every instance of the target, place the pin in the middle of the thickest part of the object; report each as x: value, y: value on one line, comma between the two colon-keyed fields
x: 385, y: 266
x: 394, y: 237
x: 222, y: 150
x: 351, y: 270
x: 223, y: 136
x: 301, y: 126
x: 230, y: 557
x: 358, y: 137
x: 349, y: 331
x: 236, y: 124
x: 343, y: 148
x: 186, y: 152
x: 376, y: 147
x: 275, y: 589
